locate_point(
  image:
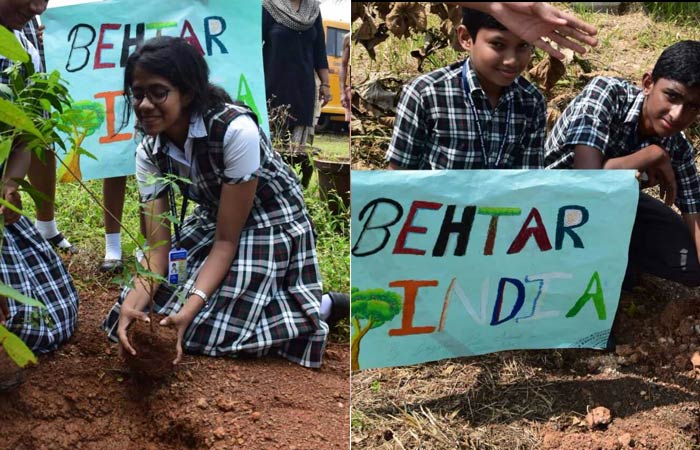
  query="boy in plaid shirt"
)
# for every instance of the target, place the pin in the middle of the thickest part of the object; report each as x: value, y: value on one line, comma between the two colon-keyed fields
x: 475, y: 114
x: 613, y: 124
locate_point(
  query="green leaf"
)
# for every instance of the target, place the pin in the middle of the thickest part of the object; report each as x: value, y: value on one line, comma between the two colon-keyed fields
x: 16, y: 349
x: 9, y: 291
x: 82, y: 151
x: 5, y: 147
x: 4, y: 202
x: 10, y: 46
x: 6, y: 91
x: 45, y: 104
x: 14, y: 116
x: 36, y: 195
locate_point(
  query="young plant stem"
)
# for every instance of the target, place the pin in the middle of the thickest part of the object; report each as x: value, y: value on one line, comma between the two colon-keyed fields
x: 150, y: 287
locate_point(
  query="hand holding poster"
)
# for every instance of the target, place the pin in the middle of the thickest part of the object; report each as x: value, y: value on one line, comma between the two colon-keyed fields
x: 458, y: 263
x: 89, y: 44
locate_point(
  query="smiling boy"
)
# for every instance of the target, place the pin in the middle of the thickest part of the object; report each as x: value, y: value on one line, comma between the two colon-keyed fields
x: 613, y: 124
x: 474, y: 114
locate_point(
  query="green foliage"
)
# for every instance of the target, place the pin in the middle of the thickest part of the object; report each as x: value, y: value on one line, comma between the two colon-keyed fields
x: 375, y: 305
x: 10, y: 46
x: 683, y: 11
x: 15, y: 348
x: 32, y: 106
x: 8, y: 291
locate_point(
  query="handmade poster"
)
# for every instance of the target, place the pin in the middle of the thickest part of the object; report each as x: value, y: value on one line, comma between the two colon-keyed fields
x: 459, y: 263
x: 90, y: 42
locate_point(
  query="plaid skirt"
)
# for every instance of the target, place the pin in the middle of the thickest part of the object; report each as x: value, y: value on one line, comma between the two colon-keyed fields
x: 269, y: 300
x: 32, y: 267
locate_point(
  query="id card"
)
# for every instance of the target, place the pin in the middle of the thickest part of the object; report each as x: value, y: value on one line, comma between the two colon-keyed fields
x: 177, y: 266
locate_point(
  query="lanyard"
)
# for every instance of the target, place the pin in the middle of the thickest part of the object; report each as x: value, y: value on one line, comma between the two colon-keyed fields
x: 173, y: 208
x: 470, y: 101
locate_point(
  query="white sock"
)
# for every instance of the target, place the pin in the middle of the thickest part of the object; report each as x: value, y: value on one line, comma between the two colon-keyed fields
x: 47, y: 229
x: 113, y: 246
x: 326, y: 305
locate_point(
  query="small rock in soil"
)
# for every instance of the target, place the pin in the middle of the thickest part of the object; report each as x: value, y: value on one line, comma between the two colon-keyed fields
x: 225, y: 405
x: 695, y: 359
x: 255, y: 416
x: 220, y: 433
x: 625, y: 440
x: 599, y: 417
x: 202, y: 403
x: 624, y: 350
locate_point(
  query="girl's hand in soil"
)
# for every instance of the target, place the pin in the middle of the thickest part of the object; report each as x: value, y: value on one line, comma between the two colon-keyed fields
x: 126, y: 316
x: 180, y: 322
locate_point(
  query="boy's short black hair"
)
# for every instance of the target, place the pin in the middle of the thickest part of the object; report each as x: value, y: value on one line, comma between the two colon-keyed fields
x: 680, y: 62
x: 475, y: 20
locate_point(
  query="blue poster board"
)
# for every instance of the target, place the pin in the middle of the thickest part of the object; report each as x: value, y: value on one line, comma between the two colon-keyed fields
x: 89, y: 43
x: 458, y: 263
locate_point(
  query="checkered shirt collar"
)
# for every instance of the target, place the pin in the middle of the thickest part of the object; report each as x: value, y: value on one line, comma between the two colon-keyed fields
x: 635, y: 111
x: 473, y: 84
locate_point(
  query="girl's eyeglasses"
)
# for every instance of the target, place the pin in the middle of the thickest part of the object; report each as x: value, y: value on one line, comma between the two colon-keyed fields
x: 155, y: 95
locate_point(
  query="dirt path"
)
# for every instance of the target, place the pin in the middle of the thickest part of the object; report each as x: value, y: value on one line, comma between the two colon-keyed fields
x: 82, y: 396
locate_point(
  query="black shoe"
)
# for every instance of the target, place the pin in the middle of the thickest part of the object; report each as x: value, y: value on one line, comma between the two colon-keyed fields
x: 56, y: 241
x: 340, y: 307
x: 112, y: 266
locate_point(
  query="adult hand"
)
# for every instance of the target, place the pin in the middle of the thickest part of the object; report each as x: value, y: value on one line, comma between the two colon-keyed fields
x: 180, y: 322
x: 4, y: 310
x: 533, y: 21
x: 346, y: 97
x: 126, y: 316
x: 324, y: 95
x: 12, y: 196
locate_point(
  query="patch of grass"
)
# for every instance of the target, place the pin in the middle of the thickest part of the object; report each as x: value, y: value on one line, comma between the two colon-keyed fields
x: 333, y: 145
x: 674, y: 11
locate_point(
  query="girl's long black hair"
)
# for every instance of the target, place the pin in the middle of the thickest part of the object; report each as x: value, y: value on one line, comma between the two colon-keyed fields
x: 175, y: 59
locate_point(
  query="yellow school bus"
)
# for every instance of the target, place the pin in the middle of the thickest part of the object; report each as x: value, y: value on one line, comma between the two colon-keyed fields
x: 333, y: 111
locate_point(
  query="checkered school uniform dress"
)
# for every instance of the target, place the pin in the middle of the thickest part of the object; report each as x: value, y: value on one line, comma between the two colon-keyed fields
x: 270, y: 299
x: 31, y: 266
x: 439, y: 126
x: 605, y: 116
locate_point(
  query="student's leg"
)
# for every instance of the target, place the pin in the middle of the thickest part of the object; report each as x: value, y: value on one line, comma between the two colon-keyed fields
x: 661, y: 244
x: 42, y: 176
x: 113, y: 193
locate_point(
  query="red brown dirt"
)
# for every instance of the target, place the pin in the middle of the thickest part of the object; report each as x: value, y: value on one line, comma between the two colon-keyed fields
x: 154, y: 346
x: 84, y: 396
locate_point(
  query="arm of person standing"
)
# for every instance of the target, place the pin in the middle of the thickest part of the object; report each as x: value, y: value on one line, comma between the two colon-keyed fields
x: 344, y: 65
x: 17, y: 166
x: 321, y: 62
